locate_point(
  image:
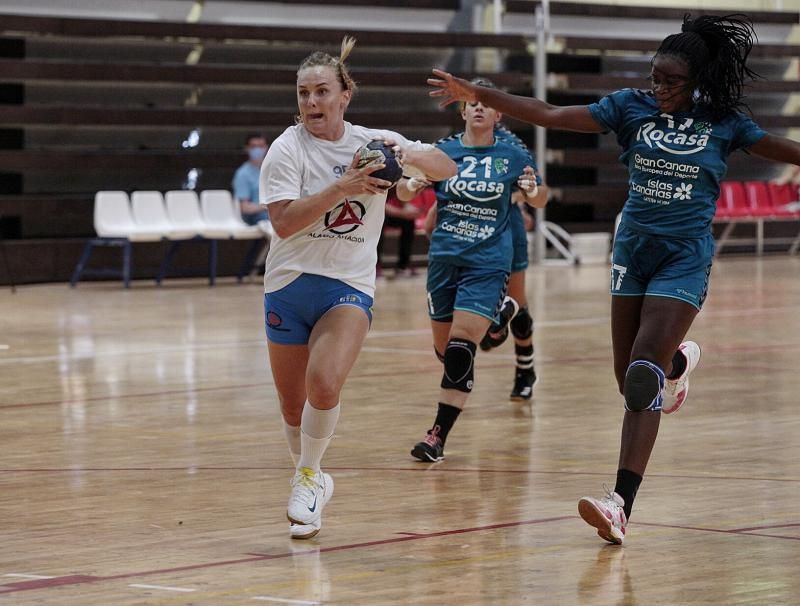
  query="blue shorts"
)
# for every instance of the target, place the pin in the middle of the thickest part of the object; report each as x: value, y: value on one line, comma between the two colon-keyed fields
x: 472, y: 289
x: 291, y: 312
x: 661, y: 267
x: 519, y: 239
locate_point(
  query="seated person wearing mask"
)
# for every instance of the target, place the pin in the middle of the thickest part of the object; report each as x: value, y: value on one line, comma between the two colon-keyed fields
x: 245, y: 183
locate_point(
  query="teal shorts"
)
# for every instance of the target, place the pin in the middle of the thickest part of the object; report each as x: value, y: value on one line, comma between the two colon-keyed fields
x: 661, y: 267
x: 453, y: 287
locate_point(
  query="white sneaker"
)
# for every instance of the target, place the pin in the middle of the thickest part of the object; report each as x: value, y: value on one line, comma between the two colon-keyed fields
x: 304, y: 531
x: 606, y: 515
x: 308, y: 531
x: 675, y: 391
x: 310, y: 492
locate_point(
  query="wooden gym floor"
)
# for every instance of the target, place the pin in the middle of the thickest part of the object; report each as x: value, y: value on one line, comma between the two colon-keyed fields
x: 143, y: 460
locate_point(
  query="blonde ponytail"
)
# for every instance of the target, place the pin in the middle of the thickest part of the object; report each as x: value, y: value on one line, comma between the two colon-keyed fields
x: 319, y: 58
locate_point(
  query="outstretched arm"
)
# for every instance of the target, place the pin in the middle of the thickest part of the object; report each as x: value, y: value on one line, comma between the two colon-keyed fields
x: 527, y: 109
x: 780, y: 149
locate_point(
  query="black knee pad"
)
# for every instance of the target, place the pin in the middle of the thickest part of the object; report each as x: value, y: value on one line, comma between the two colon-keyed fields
x: 522, y: 324
x: 644, y: 384
x: 459, y: 359
x: 439, y: 355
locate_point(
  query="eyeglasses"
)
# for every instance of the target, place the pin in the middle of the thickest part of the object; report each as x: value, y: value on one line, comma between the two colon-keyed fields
x: 671, y: 81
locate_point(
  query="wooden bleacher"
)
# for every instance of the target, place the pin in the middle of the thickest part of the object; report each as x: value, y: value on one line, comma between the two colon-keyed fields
x: 105, y: 103
x: 613, y: 11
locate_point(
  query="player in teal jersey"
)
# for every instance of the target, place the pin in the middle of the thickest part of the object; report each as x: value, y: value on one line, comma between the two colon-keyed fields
x: 470, y: 255
x: 675, y: 139
x: 514, y: 315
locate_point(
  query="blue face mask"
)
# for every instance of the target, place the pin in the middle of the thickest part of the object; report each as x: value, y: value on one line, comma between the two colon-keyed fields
x: 257, y: 153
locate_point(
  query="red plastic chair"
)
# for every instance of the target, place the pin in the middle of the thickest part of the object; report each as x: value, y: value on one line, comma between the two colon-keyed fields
x: 781, y: 194
x: 733, y: 200
x: 739, y: 207
x: 722, y: 211
x: 758, y: 199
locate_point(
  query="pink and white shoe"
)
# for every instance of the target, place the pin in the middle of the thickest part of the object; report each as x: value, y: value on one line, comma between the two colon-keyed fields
x: 676, y: 390
x: 606, y: 515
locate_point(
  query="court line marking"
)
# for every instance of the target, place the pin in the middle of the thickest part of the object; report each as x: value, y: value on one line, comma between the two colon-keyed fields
x: 258, y: 557
x: 72, y: 579
x: 792, y: 525
x: 733, y: 531
x: 163, y: 587
x: 414, y: 469
x: 28, y: 576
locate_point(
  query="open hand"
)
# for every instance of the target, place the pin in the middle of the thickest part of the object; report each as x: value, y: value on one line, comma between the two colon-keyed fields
x: 451, y: 88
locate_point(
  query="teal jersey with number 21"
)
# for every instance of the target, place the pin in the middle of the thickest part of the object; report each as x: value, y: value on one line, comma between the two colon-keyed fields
x: 473, y: 207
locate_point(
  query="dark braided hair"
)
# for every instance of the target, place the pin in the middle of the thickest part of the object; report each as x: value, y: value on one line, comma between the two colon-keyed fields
x: 716, y: 51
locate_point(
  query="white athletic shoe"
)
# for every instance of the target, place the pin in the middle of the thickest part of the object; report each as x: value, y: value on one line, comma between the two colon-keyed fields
x: 675, y: 391
x: 308, y: 531
x: 606, y: 515
x: 310, y: 492
x: 304, y: 531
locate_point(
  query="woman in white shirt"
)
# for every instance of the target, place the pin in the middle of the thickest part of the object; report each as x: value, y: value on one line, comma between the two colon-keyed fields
x: 320, y: 273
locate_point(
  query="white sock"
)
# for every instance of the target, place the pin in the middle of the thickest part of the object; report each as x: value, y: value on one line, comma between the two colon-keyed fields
x: 316, y: 430
x: 292, y: 434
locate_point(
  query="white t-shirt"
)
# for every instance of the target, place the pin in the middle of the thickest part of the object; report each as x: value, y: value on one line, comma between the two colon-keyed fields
x: 341, y: 244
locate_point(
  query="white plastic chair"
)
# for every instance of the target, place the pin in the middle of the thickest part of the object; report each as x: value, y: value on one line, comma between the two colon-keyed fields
x: 183, y: 210
x: 183, y: 214
x: 217, y: 206
x: 149, y: 212
x: 115, y: 226
x: 113, y: 218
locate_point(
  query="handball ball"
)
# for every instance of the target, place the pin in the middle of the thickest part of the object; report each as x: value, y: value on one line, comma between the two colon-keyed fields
x: 377, y: 152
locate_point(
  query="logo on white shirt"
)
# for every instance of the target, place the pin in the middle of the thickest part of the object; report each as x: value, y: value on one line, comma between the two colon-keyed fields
x: 345, y: 218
